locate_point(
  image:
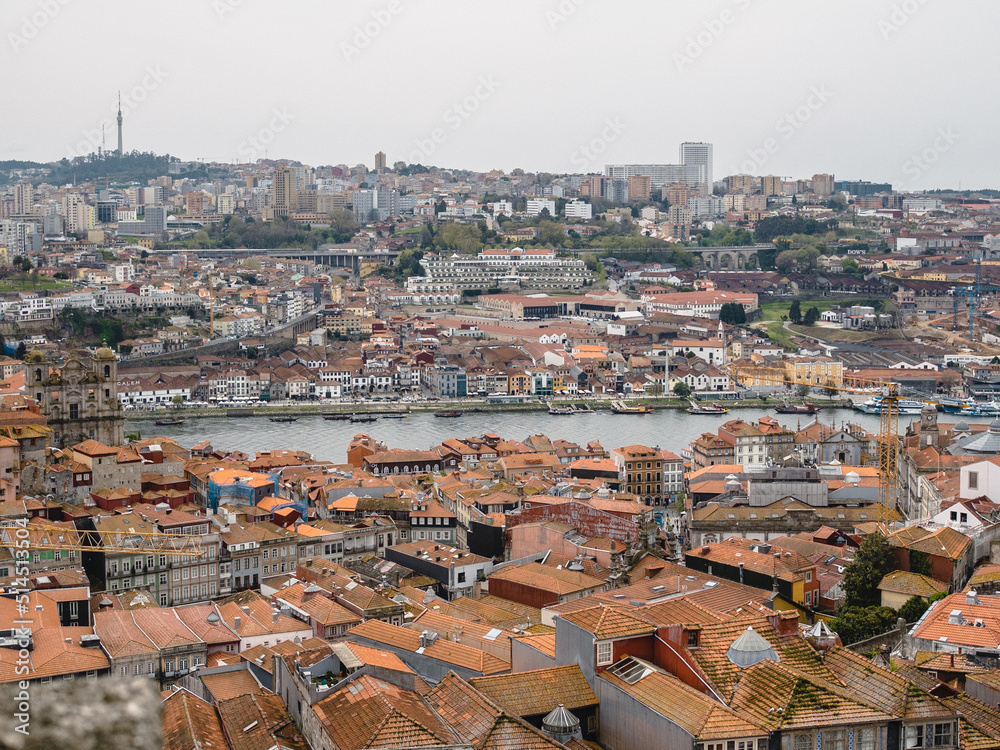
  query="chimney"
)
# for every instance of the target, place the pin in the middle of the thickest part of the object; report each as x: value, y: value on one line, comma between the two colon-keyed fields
x: 236, y: 622
x: 955, y: 618
x: 741, y: 572
x: 972, y: 598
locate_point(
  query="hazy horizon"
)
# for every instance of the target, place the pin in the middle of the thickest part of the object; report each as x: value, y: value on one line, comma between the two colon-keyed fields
x: 859, y: 89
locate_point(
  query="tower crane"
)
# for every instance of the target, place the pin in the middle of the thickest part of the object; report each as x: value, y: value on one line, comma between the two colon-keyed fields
x: 974, y: 292
x: 43, y: 537
x: 888, y: 437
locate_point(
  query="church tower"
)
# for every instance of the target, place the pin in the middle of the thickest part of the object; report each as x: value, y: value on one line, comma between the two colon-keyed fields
x: 79, y: 397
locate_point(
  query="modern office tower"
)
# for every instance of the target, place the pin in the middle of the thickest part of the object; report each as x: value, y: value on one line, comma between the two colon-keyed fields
x: 699, y: 155
x: 770, y: 185
x: 150, y: 196
x: 380, y: 161
x: 284, y: 191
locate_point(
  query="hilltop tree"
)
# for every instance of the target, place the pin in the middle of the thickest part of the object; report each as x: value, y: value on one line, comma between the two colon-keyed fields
x: 795, y: 312
x: 811, y: 316
x: 862, y: 576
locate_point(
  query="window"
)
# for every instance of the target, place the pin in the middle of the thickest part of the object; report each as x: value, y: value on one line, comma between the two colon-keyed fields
x: 744, y: 745
x: 942, y: 735
x: 915, y: 736
x: 964, y: 517
x: 802, y: 742
x: 461, y: 577
x: 865, y: 739
x: 604, y: 653
x: 809, y: 576
x: 834, y: 740
x: 973, y: 480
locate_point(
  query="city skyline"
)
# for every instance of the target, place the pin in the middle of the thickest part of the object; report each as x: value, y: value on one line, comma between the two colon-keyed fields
x: 676, y: 83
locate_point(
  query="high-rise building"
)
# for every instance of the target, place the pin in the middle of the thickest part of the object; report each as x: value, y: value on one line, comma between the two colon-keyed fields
x: 19, y: 237
x: 699, y: 155
x: 154, y: 222
x: 616, y: 190
x: 24, y: 198
x: 694, y: 170
x: 822, y: 184
x: 364, y: 204
x: 387, y: 203
x: 677, y: 195
x: 79, y: 216
x: 770, y: 185
x: 739, y: 183
x: 638, y: 187
x: 225, y: 203
x: 284, y: 191
x: 380, y: 161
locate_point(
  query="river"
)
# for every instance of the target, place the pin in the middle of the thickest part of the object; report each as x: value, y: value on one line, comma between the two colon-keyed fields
x: 672, y: 429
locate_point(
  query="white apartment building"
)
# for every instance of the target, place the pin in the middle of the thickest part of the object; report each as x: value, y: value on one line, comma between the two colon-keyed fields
x: 579, y: 210
x: 537, y: 205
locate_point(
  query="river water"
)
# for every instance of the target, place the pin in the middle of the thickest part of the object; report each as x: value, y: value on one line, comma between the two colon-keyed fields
x: 672, y: 429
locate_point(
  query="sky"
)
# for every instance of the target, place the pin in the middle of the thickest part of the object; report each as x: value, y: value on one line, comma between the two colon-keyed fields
x: 898, y: 91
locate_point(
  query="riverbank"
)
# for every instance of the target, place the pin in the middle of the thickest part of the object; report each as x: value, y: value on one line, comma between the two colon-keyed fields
x: 463, y: 407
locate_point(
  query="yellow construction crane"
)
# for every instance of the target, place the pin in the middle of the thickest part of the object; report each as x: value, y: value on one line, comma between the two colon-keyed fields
x: 37, y: 537
x: 888, y: 437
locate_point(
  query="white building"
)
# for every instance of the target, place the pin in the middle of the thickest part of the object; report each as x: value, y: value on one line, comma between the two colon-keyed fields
x: 579, y: 210
x: 537, y: 205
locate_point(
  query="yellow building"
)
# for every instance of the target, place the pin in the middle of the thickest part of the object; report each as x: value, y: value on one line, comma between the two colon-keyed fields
x: 815, y: 371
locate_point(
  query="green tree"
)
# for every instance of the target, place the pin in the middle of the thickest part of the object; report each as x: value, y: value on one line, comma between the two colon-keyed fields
x: 682, y: 389
x: 872, y: 561
x: 913, y: 609
x: 22, y: 351
x: 811, y: 316
x: 855, y: 624
x: 733, y: 313
x: 551, y: 233
x: 919, y: 563
x: 795, y: 312
x: 849, y: 265
x: 177, y: 400
x: 465, y: 238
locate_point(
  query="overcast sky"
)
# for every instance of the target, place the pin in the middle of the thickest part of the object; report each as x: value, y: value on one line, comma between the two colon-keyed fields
x: 901, y: 91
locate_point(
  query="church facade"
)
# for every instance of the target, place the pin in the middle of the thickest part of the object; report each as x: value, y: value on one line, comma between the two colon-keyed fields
x: 79, y: 397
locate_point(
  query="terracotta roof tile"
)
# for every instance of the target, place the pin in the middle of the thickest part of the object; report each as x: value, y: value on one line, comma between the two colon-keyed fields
x: 190, y: 722
x: 538, y: 691
x: 606, y: 621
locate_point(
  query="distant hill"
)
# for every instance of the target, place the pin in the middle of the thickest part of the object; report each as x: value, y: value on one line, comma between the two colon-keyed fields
x: 135, y: 166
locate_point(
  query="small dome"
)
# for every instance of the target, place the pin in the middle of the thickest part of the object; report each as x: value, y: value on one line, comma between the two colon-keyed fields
x: 34, y: 357
x: 852, y: 477
x: 213, y: 618
x: 962, y: 427
x: 749, y: 649
x: 995, y: 425
x: 104, y: 353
